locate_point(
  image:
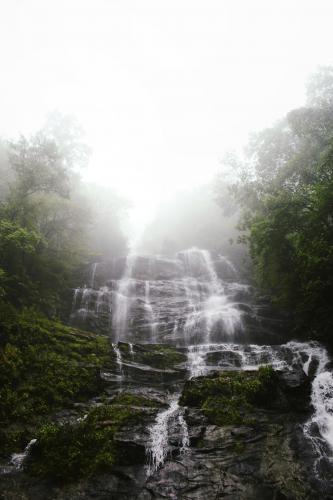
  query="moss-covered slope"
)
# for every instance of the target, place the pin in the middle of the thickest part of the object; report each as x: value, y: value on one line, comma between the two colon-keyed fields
x: 44, y: 367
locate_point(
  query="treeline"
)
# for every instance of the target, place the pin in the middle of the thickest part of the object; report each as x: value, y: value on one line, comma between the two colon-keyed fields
x: 285, y: 187
x: 51, y: 223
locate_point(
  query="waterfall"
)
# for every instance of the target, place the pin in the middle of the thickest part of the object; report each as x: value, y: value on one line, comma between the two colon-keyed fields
x: 195, y: 302
x: 17, y: 459
x: 158, y: 296
x: 151, y: 320
x: 123, y: 300
x: 158, y: 444
x: 319, y: 428
x: 119, y: 359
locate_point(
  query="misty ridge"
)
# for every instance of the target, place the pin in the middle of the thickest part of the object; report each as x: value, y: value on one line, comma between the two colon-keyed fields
x: 166, y: 252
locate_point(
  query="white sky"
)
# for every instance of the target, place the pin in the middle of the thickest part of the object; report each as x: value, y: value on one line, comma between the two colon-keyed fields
x: 162, y: 87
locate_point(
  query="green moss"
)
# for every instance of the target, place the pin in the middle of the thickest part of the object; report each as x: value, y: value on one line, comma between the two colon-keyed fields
x: 68, y: 451
x: 45, y: 366
x: 129, y: 399
x: 229, y: 397
x: 159, y: 356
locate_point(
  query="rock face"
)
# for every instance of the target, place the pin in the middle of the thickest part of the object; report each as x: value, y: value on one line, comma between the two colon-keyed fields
x: 182, y: 299
x: 250, y: 445
x: 258, y: 457
x: 198, y: 398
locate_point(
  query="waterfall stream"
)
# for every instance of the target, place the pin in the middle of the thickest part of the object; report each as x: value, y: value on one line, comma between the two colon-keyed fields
x: 158, y: 446
x: 197, y: 303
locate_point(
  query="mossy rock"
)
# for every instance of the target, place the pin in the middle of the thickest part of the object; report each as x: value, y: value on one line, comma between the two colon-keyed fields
x: 67, y: 452
x: 158, y: 356
x: 130, y: 399
x: 44, y: 367
x: 230, y: 398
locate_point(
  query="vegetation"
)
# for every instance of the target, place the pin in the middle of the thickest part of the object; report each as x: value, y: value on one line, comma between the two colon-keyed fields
x: 44, y: 367
x: 47, y: 233
x: 70, y: 451
x: 286, y: 189
x: 229, y: 397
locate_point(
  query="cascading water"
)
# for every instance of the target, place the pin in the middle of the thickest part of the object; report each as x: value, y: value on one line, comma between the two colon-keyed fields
x: 123, y: 300
x: 158, y: 447
x: 119, y: 359
x: 194, y: 303
x: 150, y: 311
x: 17, y: 459
x: 160, y: 297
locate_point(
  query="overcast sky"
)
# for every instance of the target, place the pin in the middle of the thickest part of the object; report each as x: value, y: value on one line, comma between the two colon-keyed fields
x: 162, y: 87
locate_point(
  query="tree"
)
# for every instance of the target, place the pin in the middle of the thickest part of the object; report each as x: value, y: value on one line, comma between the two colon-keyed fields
x: 42, y: 227
x: 286, y: 191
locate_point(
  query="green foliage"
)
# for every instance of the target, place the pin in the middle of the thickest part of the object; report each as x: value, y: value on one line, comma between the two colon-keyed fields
x: 286, y: 190
x: 65, y: 452
x: 47, y: 234
x: 42, y: 227
x: 229, y: 397
x: 44, y: 366
x: 128, y: 399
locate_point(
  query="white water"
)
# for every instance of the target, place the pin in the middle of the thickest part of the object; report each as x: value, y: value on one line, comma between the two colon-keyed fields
x: 123, y: 300
x: 150, y: 316
x: 119, y: 359
x: 17, y: 459
x: 158, y: 447
x: 162, y: 296
x: 321, y: 400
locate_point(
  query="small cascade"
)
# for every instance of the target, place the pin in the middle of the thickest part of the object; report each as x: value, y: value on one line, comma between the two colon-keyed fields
x: 131, y: 350
x: 193, y: 317
x: 185, y: 438
x: 319, y: 428
x: 159, y: 447
x: 227, y: 356
x: 196, y: 361
x: 85, y: 301
x: 119, y: 359
x: 17, y: 459
x: 322, y: 402
x: 215, y: 283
